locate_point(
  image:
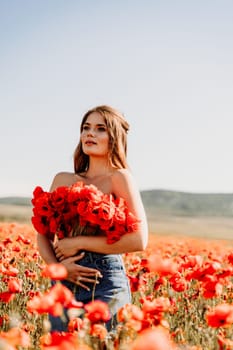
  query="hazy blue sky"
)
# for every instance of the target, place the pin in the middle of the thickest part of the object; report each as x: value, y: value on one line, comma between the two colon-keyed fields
x: 167, y: 65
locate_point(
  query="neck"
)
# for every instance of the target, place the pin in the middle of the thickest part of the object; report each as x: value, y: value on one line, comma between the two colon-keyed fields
x: 98, y: 167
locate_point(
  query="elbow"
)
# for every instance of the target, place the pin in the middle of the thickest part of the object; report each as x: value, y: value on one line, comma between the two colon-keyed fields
x: 143, y: 244
x: 140, y: 242
x: 143, y: 237
x: 138, y: 247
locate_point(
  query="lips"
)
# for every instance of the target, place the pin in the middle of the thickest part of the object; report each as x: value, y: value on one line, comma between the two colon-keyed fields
x: 90, y: 143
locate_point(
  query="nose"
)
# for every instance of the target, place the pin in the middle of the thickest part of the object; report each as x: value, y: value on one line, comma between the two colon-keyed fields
x: 91, y: 132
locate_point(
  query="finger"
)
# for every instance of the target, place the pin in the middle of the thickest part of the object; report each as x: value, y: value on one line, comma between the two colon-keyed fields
x: 81, y: 280
x: 55, y: 247
x: 87, y: 280
x: 91, y: 275
x: 80, y: 284
x: 60, y: 257
x: 86, y: 269
x: 57, y: 251
x: 82, y: 270
x: 77, y: 257
x: 84, y: 286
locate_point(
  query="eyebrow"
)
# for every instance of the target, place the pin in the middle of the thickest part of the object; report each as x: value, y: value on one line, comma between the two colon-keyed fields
x: 86, y: 123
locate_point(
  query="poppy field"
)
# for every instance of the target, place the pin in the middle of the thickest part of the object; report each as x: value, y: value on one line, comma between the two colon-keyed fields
x: 182, y: 298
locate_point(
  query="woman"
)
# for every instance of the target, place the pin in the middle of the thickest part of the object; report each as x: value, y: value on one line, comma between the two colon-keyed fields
x: 95, y: 268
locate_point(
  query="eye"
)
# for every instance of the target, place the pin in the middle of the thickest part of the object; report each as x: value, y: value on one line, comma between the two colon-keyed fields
x: 85, y: 127
x: 101, y: 128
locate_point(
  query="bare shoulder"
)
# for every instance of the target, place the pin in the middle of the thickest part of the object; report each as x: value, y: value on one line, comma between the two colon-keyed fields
x: 123, y: 182
x: 121, y: 176
x: 62, y: 179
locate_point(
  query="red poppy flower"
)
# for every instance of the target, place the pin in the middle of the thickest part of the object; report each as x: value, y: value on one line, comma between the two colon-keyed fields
x: 55, y: 271
x: 43, y: 206
x: 119, y: 215
x: 99, y: 331
x: 53, y: 301
x: 6, y: 297
x: 60, y: 340
x: 211, y: 288
x: 105, y: 212
x: 38, y: 191
x: 178, y: 282
x: 207, y: 269
x: 224, y: 343
x: 97, y: 311
x: 128, y: 312
x: 16, y: 337
x: 90, y: 193
x: 230, y: 258
x: 163, y: 266
x: 44, y: 304
x: 192, y: 261
x: 159, y: 282
x: 30, y: 274
x: 22, y: 239
x: 158, y: 305
x: 58, y: 197
x: 211, y: 267
x: 113, y: 235
x: 61, y: 294
x: 10, y: 271
x: 7, y: 241
x: 153, y: 339
x: 75, y: 324
x: 15, y: 285
x: 40, y: 224
x: 220, y: 316
x: 131, y: 222
x: 16, y: 248
x: 134, y: 283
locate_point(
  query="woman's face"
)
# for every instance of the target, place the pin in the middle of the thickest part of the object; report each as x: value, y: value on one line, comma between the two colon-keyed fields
x: 94, y: 136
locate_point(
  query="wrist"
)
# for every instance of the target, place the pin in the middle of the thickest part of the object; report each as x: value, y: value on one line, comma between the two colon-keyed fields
x: 78, y: 242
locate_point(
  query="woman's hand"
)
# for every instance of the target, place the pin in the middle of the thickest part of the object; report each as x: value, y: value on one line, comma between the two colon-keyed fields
x: 65, y: 248
x: 80, y: 274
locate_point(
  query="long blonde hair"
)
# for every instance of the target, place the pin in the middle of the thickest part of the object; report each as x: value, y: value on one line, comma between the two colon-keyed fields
x: 117, y: 128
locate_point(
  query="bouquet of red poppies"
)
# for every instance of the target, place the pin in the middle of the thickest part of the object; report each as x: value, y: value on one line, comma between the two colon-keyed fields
x: 61, y: 211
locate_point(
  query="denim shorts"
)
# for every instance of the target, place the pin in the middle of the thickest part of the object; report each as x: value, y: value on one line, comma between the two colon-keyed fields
x: 113, y: 287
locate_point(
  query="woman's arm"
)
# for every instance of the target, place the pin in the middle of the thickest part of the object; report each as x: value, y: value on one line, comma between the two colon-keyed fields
x: 45, y: 246
x: 122, y: 186
x: 46, y: 250
x: 75, y: 271
x: 70, y: 246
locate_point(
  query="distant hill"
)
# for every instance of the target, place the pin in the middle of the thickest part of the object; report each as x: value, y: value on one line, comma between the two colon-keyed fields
x: 164, y: 202
x: 25, y: 201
